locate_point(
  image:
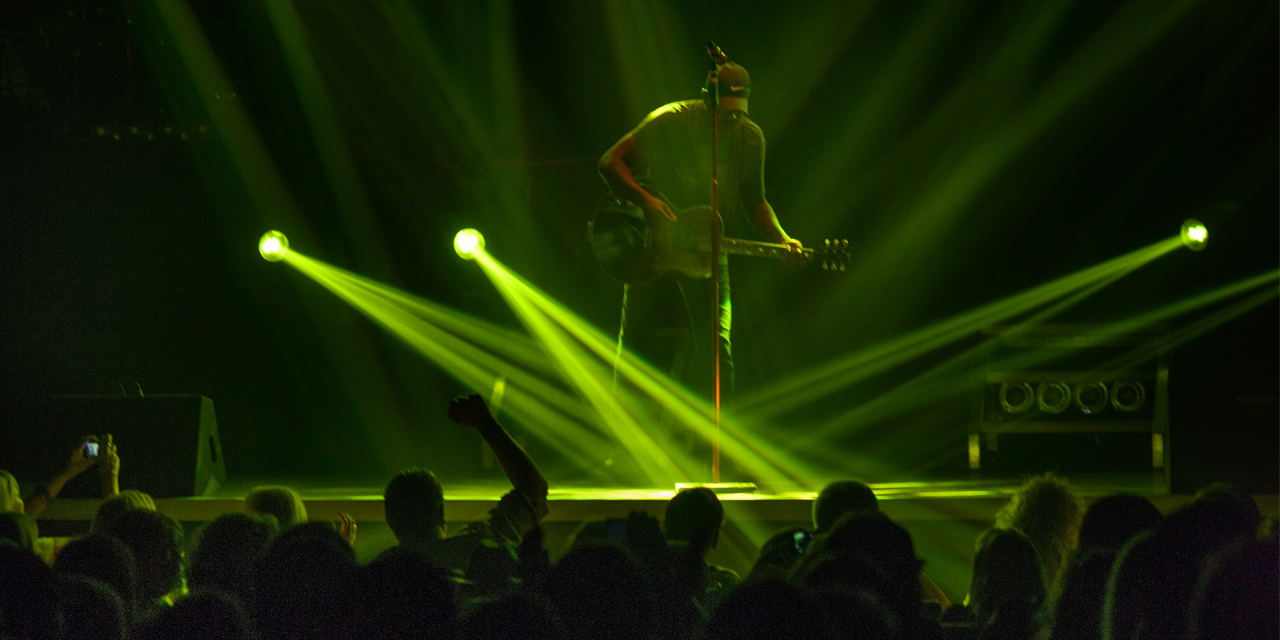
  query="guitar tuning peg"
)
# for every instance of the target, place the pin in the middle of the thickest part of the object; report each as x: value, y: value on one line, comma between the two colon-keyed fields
x: 825, y: 266
x: 842, y: 266
x: 846, y: 244
x: 827, y: 243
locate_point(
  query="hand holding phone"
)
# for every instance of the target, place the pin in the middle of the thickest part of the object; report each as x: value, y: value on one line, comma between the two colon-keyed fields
x: 90, y: 449
x: 801, y: 539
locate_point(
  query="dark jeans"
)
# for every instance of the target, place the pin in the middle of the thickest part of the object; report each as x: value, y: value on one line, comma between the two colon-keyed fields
x: 669, y: 323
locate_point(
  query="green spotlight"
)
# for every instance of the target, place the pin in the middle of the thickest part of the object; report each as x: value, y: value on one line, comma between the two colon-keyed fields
x: 1194, y: 234
x: 273, y: 246
x: 467, y: 242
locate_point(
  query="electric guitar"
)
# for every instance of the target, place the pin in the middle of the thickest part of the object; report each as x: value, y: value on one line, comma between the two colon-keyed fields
x: 635, y: 250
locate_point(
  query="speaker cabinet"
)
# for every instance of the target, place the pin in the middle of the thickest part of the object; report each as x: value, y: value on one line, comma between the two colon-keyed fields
x: 169, y: 445
x: 1079, y: 399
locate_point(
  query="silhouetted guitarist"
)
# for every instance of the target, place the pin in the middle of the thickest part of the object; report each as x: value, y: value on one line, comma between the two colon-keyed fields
x: 669, y: 153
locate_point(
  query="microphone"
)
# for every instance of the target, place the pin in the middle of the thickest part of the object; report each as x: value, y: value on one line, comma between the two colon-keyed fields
x: 716, y: 54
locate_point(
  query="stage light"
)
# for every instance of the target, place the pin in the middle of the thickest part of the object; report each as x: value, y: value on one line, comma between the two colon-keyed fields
x: 1053, y: 397
x: 1194, y: 234
x: 1128, y: 396
x: 273, y: 246
x: 1090, y: 397
x: 1016, y: 398
x: 467, y: 242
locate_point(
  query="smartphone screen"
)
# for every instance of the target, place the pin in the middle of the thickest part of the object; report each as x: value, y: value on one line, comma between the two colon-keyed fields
x: 802, y: 539
x: 91, y: 449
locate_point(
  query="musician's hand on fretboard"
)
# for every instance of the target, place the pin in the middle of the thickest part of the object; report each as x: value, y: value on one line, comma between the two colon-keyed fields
x: 795, y: 253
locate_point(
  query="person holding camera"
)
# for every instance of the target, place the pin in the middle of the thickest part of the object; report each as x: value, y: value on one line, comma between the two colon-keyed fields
x: 98, y: 451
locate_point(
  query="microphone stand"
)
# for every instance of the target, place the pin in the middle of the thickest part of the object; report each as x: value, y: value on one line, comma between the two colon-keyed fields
x: 713, y: 86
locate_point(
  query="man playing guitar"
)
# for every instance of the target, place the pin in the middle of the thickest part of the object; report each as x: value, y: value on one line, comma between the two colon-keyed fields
x: 669, y: 152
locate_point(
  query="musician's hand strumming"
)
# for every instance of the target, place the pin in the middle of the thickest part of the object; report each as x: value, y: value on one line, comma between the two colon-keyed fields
x: 653, y: 206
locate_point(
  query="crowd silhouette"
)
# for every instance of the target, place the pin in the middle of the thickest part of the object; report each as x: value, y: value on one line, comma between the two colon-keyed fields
x: 1049, y: 567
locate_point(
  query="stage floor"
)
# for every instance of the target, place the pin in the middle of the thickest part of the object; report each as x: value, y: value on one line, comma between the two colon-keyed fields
x: 968, y: 500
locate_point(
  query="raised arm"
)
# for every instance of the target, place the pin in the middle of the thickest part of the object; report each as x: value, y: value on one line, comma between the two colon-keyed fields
x: 77, y: 462
x: 471, y: 411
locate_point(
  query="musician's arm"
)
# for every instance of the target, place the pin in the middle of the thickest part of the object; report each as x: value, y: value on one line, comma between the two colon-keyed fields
x: 766, y: 224
x: 756, y: 205
x: 617, y: 174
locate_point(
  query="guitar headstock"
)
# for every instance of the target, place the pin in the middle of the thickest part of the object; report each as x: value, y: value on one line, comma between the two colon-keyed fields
x: 834, y: 255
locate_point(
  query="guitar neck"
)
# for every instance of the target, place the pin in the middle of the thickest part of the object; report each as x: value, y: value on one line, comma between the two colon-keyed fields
x: 758, y: 249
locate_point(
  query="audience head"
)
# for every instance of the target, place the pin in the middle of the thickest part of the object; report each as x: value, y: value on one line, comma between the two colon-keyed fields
x: 91, y: 610
x: 10, y: 496
x: 1110, y: 522
x: 1233, y: 507
x: 884, y: 541
x: 856, y: 593
x: 779, y: 554
x: 104, y: 559
x: 414, y: 503
x: 302, y: 587
x: 202, y: 616
x: 1151, y: 586
x: 1047, y: 510
x: 868, y: 552
x: 19, y: 528
x: 840, y: 498
x: 155, y: 540
x: 281, y: 502
x: 126, y: 500
x: 597, y: 531
x: 601, y: 593
x: 515, y: 616
x: 1077, y: 613
x: 862, y: 611
x: 227, y: 551
x: 845, y: 571
x: 1235, y: 596
x: 694, y: 516
x: 768, y: 609
x: 28, y: 595
x: 1006, y: 573
x: 404, y: 596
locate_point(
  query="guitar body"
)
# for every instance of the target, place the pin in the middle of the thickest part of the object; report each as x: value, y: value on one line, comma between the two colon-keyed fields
x: 635, y: 250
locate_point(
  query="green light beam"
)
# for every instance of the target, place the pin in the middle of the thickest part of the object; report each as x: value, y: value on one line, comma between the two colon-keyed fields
x: 535, y: 383
x: 646, y: 36
x: 928, y: 213
x: 1193, y: 330
x: 658, y: 466
x: 343, y: 181
x: 260, y: 176
x: 805, y: 387
x: 363, y: 378
x: 511, y: 344
x: 533, y: 403
x: 949, y: 379
x: 766, y: 463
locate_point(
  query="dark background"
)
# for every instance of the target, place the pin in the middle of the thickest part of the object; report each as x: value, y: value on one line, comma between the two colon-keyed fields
x: 127, y: 259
